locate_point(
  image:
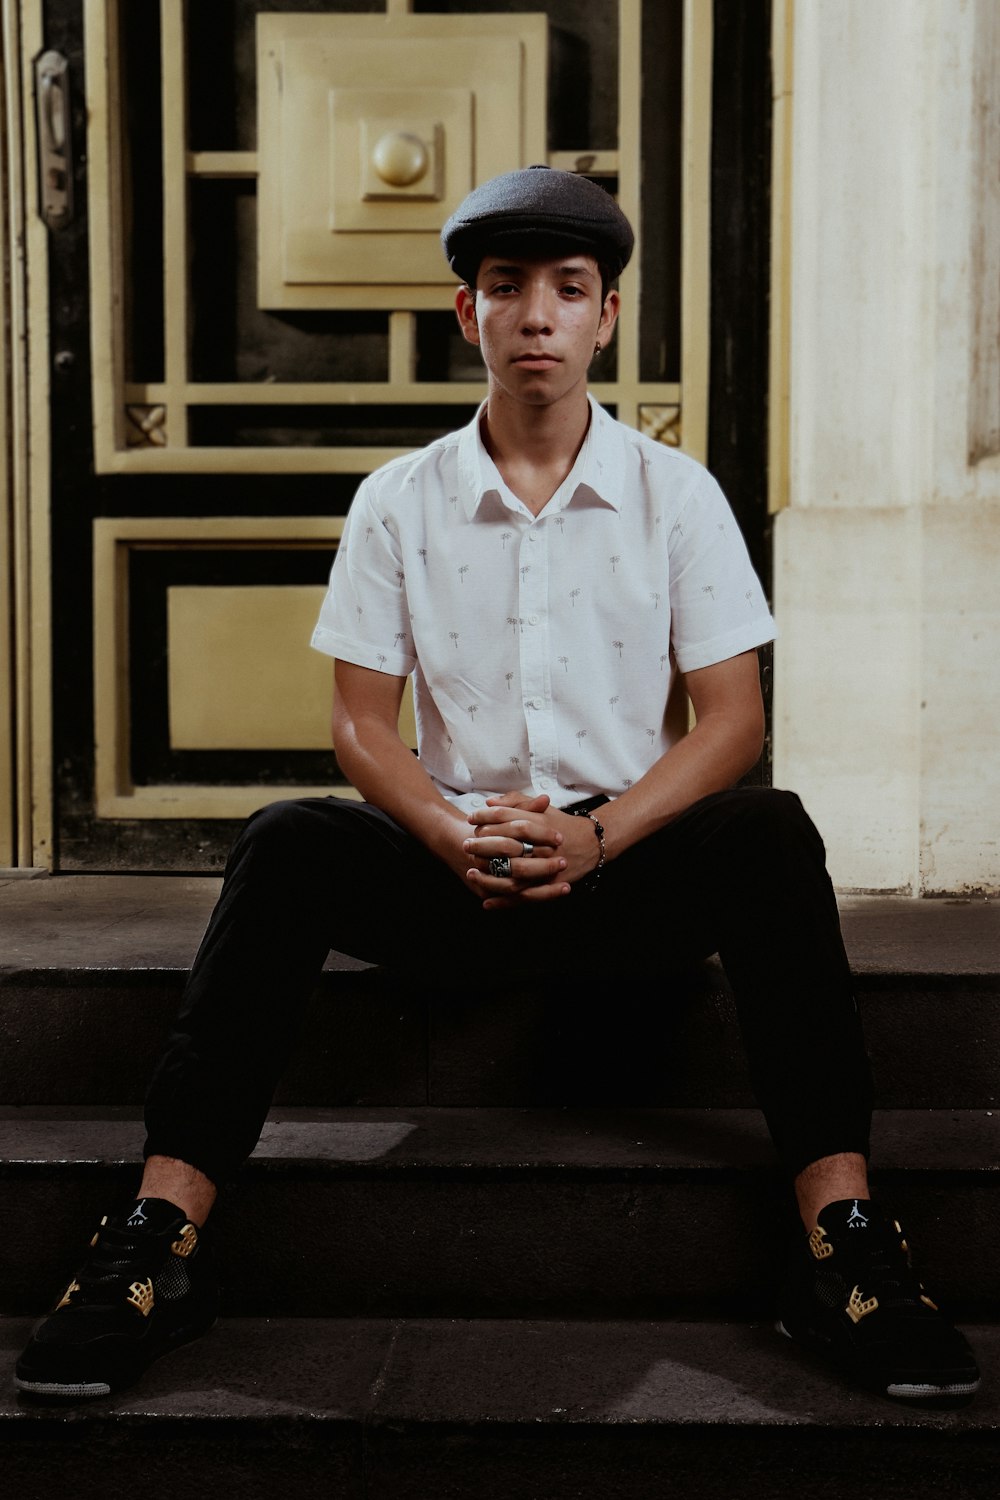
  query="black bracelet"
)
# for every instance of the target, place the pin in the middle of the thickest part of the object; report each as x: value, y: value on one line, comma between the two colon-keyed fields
x: 589, y: 883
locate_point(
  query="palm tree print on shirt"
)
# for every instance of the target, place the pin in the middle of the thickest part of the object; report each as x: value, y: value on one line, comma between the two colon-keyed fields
x: 564, y: 663
x: 505, y: 537
x: 618, y: 645
x: 574, y: 594
x: 615, y: 560
x: 462, y: 571
x: 508, y: 678
x: 453, y: 636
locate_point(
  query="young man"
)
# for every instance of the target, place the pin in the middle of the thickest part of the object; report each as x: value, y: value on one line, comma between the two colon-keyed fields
x: 547, y: 576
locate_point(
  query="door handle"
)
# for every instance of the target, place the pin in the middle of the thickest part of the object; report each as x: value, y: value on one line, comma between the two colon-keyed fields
x: 53, y: 117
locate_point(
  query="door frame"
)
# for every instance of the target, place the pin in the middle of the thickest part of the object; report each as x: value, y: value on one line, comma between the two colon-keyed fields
x: 26, y: 809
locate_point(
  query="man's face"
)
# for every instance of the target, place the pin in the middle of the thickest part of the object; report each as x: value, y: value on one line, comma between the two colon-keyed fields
x: 536, y: 321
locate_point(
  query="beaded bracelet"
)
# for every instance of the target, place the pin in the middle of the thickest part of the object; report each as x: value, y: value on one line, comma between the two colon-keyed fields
x: 589, y: 883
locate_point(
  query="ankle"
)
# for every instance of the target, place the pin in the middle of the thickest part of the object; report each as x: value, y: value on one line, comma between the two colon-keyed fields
x: 181, y: 1184
x: 832, y: 1179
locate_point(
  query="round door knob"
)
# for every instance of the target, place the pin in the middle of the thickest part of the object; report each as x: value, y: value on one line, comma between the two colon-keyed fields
x: 400, y: 158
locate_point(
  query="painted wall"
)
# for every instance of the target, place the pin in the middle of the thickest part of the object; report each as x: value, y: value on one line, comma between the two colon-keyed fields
x: 887, y: 568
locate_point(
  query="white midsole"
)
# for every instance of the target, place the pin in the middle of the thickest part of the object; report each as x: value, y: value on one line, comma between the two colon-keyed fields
x: 52, y: 1388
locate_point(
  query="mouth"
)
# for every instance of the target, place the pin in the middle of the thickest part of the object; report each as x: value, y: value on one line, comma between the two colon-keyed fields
x: 536, y: 360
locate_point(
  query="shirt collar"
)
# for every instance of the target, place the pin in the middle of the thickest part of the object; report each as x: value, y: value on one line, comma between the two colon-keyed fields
x: 599, y: 469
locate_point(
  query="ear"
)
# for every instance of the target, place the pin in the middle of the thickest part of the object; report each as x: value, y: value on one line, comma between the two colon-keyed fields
x: 465, y: 309
x: 608, y: 318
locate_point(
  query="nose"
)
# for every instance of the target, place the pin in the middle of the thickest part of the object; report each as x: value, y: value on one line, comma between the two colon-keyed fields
x: 536, y: 308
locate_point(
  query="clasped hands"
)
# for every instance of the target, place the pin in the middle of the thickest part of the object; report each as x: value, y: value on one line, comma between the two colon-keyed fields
x: 565, y: 850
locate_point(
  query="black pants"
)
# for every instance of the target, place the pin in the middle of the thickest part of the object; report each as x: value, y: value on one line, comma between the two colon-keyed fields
x: 741, y: 873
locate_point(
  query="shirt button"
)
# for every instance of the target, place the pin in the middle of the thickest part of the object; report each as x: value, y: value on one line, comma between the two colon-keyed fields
x: 479, y: 801
x: 532, y: 537
x: 545, y: 782
x: 532, y: 619
x: 533, y: 703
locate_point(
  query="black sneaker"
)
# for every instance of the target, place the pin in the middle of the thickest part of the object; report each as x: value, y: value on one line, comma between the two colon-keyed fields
x: 146, y: 1287
x: 853, y: 1295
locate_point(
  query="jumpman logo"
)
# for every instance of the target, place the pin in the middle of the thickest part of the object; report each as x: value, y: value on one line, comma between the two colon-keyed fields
x: 856, y: 1219
x: 137, y: 1218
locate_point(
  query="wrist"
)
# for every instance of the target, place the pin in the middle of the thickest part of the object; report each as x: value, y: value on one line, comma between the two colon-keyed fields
x: 589, y: 882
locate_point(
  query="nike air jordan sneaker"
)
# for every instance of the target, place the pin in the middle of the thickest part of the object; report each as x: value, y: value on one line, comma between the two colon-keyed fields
x: 146, y: 1287
x: 852, y: 1294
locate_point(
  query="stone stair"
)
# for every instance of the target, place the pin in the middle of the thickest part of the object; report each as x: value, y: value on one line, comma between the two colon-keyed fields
x: 492, y: 1245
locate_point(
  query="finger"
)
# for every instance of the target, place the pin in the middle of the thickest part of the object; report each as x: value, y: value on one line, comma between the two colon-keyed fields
x: 530, y: 895
x: 523, y: 871
x: 530, y: 828
x: 521, y: 800
x: 492, y: 846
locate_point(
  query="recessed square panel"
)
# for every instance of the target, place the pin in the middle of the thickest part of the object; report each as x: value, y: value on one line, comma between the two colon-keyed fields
x: 241, y: 673
x: 381, y: 135
x: 371, y: 131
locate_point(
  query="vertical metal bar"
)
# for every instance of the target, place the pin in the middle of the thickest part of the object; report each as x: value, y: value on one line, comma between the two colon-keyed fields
x: 29, y: 450
x: 629, y: 198
x: 175, y: 220
x: 402, y: 347
x: 8, y: 806
x: 107, y: 334
x: 778, y: 429
x: 696, y: 226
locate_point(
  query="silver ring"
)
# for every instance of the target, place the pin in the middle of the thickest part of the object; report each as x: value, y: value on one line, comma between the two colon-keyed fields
x: 500, y: 867
x: 527, y: 850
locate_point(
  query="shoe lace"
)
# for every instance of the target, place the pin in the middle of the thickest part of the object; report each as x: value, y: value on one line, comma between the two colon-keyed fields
x: 886, y: 1274
x: 116, y: 1257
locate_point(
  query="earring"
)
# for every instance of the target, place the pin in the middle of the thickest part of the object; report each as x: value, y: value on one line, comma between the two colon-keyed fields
x: 597, y: 347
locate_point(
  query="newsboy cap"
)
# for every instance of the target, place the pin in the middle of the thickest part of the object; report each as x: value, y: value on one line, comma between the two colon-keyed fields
x: 539, y: 205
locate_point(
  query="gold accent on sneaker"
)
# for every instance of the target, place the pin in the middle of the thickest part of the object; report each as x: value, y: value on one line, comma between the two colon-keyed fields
x: 188, y: 1240
x: 820, y: 1245
x: 859, y: 1307
x: 927, y: 1301
x: 141, y: 1296
x: 74, y: 1286
x: 97, y: 1233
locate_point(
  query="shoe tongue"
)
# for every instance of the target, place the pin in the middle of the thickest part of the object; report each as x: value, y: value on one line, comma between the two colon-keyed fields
x: 150, y: 1215
x: 854, y: 1223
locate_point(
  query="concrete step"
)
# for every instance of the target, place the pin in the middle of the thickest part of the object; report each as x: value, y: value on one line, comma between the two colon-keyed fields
x: 474, y: 1212
x: 91, y: 968
x: 403, y: 1410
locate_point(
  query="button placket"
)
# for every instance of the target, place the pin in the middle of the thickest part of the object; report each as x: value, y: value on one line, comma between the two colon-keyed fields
x: 533, y: 640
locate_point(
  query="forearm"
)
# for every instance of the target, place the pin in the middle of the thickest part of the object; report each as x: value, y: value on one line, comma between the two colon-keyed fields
x: 388, y: 774
x: 712, y: 757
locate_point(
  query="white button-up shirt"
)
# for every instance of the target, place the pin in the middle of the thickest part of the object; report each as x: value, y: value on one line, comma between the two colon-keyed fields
x: 543, y: 648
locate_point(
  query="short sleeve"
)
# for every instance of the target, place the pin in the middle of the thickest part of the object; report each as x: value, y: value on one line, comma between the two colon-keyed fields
x: 364, y: 617
x: 718, y: 609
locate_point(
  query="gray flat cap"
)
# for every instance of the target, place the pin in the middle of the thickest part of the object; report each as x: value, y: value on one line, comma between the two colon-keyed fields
x: 528, y: 209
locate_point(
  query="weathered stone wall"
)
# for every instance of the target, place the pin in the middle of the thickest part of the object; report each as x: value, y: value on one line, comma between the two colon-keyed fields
x: 887, y: 566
